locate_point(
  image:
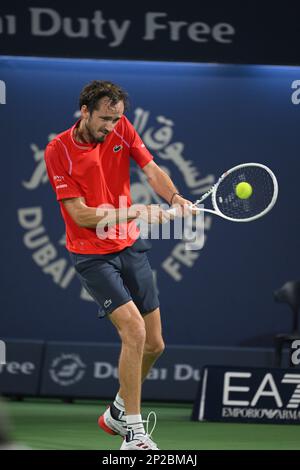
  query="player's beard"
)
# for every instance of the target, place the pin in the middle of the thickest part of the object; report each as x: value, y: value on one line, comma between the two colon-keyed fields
x: 93, y: 137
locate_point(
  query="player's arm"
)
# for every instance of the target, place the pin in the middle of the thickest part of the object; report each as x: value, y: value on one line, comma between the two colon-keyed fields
x: 163, y: 185
x: 90, y: 217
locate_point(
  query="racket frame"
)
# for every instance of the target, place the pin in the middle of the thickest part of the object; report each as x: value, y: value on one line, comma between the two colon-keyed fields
x: 214, y: 188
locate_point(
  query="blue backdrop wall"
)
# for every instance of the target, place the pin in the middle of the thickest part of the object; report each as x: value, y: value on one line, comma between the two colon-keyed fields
x: 198, y: 120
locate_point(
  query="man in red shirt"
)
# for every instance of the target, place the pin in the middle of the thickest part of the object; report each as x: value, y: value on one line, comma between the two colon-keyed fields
x: 88, y: 168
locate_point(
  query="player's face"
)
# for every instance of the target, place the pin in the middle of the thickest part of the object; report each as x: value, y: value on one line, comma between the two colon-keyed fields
x: 103, y: 119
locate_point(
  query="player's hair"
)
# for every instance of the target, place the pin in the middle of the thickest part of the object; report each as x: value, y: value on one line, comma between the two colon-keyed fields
x: 97, y: 89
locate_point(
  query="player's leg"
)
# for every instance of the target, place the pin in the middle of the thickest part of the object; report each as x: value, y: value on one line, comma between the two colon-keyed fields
x: 138, y: 278
x: 154, y: 344
x: 131, y: 328
x: 100, y: 275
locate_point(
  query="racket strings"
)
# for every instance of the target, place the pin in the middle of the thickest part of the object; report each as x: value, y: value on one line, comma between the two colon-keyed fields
x: 263, y: 191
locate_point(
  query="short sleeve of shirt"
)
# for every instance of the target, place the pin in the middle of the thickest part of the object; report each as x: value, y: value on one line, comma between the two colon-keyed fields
x: 138, y: 150
x: 59, y: 169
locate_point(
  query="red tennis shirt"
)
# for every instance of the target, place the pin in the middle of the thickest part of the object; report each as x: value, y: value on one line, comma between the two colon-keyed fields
x: 101, y: 174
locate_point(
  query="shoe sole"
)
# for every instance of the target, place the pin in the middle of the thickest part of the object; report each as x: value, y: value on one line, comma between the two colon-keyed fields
x: 102, y: 424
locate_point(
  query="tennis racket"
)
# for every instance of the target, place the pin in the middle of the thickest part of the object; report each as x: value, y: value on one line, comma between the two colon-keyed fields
x: 228, y: 205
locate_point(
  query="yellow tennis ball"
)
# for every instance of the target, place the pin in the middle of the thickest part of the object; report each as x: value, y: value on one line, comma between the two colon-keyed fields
x: 243, y: 190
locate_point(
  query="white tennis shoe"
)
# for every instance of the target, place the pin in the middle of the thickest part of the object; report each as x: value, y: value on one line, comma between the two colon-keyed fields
x: 112, y: 426
x: 140, y: 441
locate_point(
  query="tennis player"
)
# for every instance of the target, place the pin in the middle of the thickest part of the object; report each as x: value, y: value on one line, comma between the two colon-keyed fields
x: 88, y: 168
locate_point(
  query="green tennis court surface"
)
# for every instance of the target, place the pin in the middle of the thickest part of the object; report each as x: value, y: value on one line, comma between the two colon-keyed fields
x: 56, y: 425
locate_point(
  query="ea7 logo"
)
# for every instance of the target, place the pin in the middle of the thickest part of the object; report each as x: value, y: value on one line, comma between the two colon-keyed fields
x: 2, y: 92
x: 295, y: 398
x: 267, y: 388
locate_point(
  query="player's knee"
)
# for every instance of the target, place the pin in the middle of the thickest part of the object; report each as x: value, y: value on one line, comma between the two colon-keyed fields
x: 155, y: 348
x: 138, y: 334
x: 134, y: 332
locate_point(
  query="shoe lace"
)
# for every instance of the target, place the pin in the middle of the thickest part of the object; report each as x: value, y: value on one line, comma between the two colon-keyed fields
x: 147, y: 421
x: 144, y: 437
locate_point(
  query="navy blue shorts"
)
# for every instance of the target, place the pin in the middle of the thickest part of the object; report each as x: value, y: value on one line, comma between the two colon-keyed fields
x: 116, y: 278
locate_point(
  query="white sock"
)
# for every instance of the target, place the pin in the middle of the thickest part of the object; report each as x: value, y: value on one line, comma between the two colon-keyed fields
x: 135, y: 423
x: 119, y: 403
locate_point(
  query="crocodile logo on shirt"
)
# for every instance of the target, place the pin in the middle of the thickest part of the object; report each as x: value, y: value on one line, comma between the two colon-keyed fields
x: 117, y: 148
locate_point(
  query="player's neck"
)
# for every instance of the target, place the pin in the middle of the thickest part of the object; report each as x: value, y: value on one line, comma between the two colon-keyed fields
x: 81, y: 134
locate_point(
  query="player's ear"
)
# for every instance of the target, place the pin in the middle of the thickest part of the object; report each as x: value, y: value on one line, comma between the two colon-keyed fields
x: 84, y: 111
